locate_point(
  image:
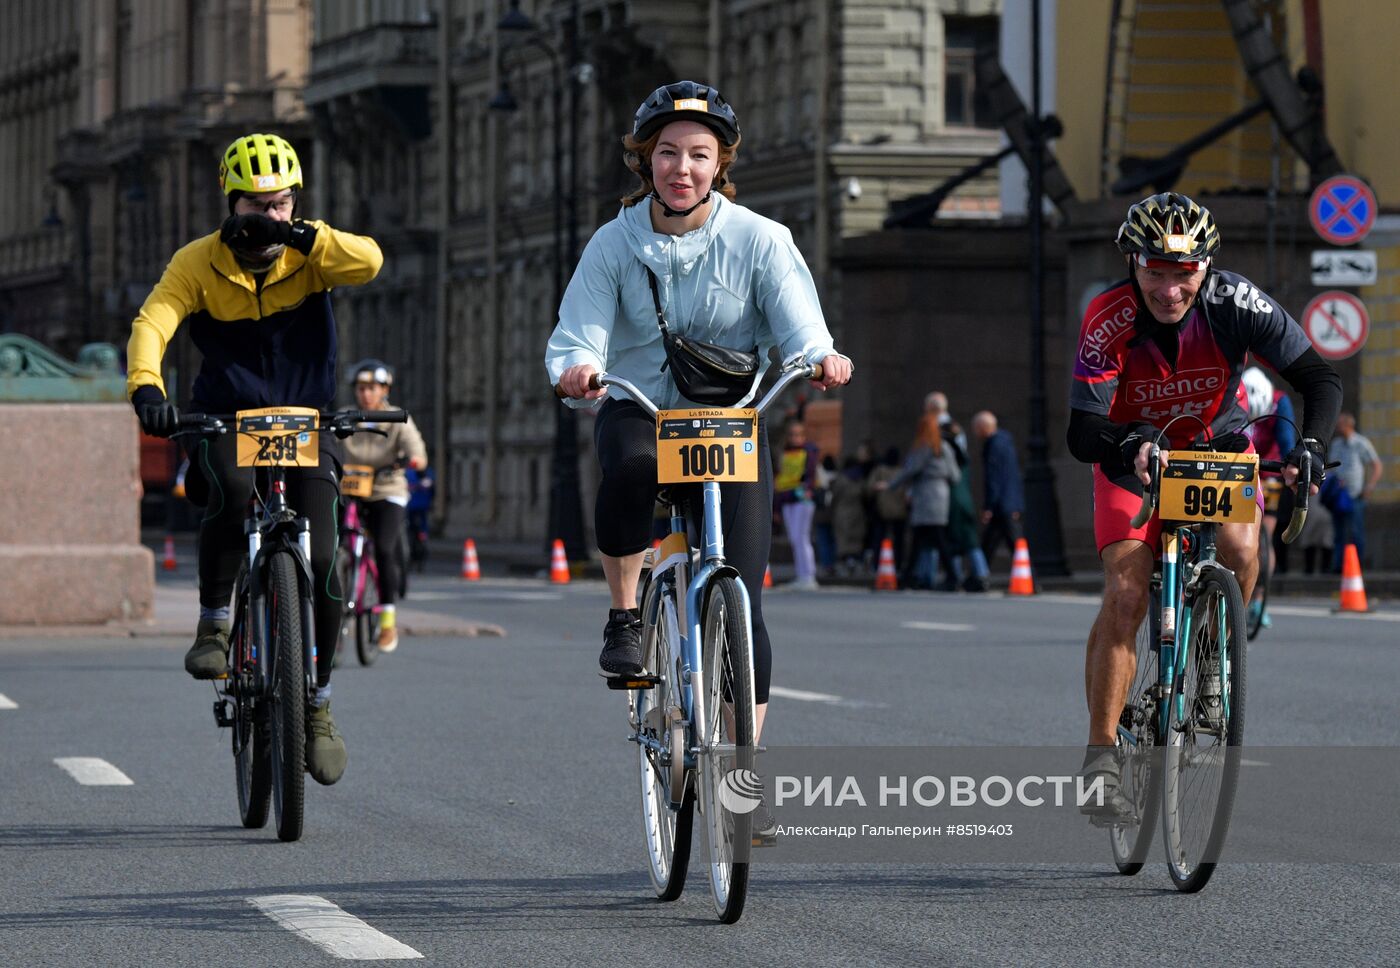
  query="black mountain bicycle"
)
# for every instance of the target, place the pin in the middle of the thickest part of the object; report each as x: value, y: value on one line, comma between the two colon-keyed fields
x: 272, y: 651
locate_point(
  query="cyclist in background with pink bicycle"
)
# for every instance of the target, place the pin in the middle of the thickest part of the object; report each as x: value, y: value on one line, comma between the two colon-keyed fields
x: 386, y: 507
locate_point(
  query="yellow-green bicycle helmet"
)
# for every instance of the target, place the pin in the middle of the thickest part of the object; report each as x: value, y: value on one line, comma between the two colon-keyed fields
x: 259, y: 163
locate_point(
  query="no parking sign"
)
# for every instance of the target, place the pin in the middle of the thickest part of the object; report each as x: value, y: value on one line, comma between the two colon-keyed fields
x: 1342, y: 210
x: 1337, y: 324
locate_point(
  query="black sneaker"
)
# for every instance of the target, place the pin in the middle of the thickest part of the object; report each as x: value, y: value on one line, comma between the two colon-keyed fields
x: 622, y: 643
x: 765, y: 828
x: 1102, y: 762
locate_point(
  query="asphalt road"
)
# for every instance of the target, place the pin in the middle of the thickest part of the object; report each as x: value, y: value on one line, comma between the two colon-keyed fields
x: 489, y: 816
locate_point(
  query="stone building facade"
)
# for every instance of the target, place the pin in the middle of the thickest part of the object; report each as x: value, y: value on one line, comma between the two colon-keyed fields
x: 843, y: 107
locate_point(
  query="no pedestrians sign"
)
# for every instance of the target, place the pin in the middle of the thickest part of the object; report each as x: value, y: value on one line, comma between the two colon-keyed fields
x: 1337, y: 324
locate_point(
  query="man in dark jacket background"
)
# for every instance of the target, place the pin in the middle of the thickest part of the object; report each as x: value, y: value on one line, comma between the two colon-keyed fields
x: 1002, y: 500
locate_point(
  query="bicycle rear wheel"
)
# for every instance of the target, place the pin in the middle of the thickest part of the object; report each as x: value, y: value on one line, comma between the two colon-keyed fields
x: 1205, y: 726
x: 366, y: 618
x: 1138, y: 736
x: 667, y: 830
x: 727, y: 738
x: 252, y: 755
x: 288, y: 714
x: 1259, y: 601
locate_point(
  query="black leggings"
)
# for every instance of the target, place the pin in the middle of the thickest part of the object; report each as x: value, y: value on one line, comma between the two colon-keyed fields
x: 313, y: 491
x: 385, y: 520
x: 625, y: 438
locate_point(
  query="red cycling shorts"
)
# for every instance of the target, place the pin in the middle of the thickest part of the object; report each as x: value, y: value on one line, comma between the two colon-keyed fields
x: 1116, y: 500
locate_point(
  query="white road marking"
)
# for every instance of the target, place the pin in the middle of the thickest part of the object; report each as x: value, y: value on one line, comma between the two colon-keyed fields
x: 91, y: 771
x: 802, y: 696
x: 938, y: 626
x: 6, y: 702
x: 1322, y: 612
x: 329, y: 928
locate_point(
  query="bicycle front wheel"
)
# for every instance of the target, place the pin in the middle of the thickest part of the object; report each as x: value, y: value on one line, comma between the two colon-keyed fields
x: 667, y: 829
x: 1205, y: 726
x: 366, y: 618
x: 727, y: 741
x: 1138, y: 734
x: 288, y: 715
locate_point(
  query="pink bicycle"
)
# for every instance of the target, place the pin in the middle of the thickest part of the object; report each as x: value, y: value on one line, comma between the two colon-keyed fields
x: 359, y: 579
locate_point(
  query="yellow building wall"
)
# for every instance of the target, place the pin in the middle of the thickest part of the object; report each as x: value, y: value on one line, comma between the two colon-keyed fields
x: 1081, y: 65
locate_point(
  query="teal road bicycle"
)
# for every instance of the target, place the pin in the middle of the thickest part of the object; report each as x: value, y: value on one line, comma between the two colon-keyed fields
x: 1182, y: 727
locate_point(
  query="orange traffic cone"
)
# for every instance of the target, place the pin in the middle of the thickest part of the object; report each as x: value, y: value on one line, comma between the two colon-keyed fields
x: 1021, y: 581
x: 471, y: 567
x: 559, y: 564
x: 767, y: 576
x: 1353, y: 589
x: 169, y: 563
x: 885, y: 577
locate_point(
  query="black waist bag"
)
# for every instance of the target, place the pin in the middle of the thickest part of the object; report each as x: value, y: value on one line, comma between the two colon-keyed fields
x: 704, y: 372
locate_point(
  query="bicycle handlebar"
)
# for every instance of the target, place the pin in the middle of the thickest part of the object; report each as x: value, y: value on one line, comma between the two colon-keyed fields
x: 217, y: 423
x: 1296, y: 520
x: 790, y: 375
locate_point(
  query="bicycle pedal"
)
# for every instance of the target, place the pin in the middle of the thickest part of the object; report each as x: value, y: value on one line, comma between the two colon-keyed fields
x: 632, y: 682
x: 223, y: 712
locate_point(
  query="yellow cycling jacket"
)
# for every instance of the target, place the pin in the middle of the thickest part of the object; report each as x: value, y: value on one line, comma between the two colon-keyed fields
x: 268, y: 346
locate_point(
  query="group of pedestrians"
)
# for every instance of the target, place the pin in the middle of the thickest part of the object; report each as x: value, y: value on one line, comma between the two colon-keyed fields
x: 837, y: 517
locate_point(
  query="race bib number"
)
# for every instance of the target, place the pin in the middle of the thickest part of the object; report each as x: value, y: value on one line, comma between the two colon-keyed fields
x: 1202, y: 485
x: 358, y: 480
x: 278, y: 437
x: 706, y: 445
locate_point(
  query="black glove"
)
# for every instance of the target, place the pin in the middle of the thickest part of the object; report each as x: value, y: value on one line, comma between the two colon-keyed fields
x: 254, y: 232
x: 1129, y: 446
x: 158, y: 416
x: 1319, y: 460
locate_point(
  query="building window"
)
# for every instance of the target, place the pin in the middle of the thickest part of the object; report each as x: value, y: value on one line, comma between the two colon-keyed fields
x: 963, y: 104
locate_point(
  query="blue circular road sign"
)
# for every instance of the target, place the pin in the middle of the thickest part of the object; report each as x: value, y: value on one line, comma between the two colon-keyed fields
x: 1342, y: 210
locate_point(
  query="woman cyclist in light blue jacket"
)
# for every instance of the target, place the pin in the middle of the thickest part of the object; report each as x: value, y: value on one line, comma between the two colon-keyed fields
x: 725, y: 275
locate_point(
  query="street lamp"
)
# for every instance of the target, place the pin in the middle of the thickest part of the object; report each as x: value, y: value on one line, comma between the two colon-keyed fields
x: 565, y: 504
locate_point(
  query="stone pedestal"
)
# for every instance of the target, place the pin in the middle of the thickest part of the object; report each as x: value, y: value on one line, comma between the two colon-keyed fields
x: 70, y: 544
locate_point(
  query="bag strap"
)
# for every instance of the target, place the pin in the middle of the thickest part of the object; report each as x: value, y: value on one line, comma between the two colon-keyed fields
x: 656, y: 299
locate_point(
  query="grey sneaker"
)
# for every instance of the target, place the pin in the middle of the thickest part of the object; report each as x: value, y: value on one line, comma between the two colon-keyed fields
x: 764, y: 827
x: 325, y: 748
x: 208, y: 657
x: 1101, y: 762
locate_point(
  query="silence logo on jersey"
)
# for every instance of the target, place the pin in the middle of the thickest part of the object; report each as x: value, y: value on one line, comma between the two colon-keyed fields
x: 1112, y: 322
x: 1183, y: 383
x: 1245, y: 296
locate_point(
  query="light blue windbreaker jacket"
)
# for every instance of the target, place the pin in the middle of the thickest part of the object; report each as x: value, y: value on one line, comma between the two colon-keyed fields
x: 737, y: 281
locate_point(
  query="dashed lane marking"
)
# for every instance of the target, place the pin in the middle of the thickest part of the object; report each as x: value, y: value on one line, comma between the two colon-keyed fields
x: 938, y: 626
x: 801, y: 695
x: 331, y: 929
x: 6, y: 702
x: 91, y: 771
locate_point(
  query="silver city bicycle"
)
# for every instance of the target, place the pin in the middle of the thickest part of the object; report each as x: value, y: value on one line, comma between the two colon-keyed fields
x: 691, y: 713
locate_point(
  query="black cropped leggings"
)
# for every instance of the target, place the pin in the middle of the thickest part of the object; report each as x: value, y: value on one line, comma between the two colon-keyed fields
x: 625, y: 438
x: 385, y: 520
x: 313, y: 491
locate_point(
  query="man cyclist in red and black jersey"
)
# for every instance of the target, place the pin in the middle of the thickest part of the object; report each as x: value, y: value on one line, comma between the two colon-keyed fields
x: 1170, y: 339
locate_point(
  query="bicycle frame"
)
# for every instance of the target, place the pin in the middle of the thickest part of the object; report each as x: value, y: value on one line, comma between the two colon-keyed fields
x: 273, y: 528
x: 713, y: 565
x: 361, y: 547
x: 1178, y: 602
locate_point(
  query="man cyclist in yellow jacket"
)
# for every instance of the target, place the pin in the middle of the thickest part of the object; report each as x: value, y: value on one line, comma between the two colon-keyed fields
x: 256, y: 297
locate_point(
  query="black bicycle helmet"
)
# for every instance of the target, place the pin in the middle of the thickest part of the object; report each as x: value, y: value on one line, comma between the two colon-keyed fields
x: 1169, y: 227
x: 686, y: 101
x: 372, y: 371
